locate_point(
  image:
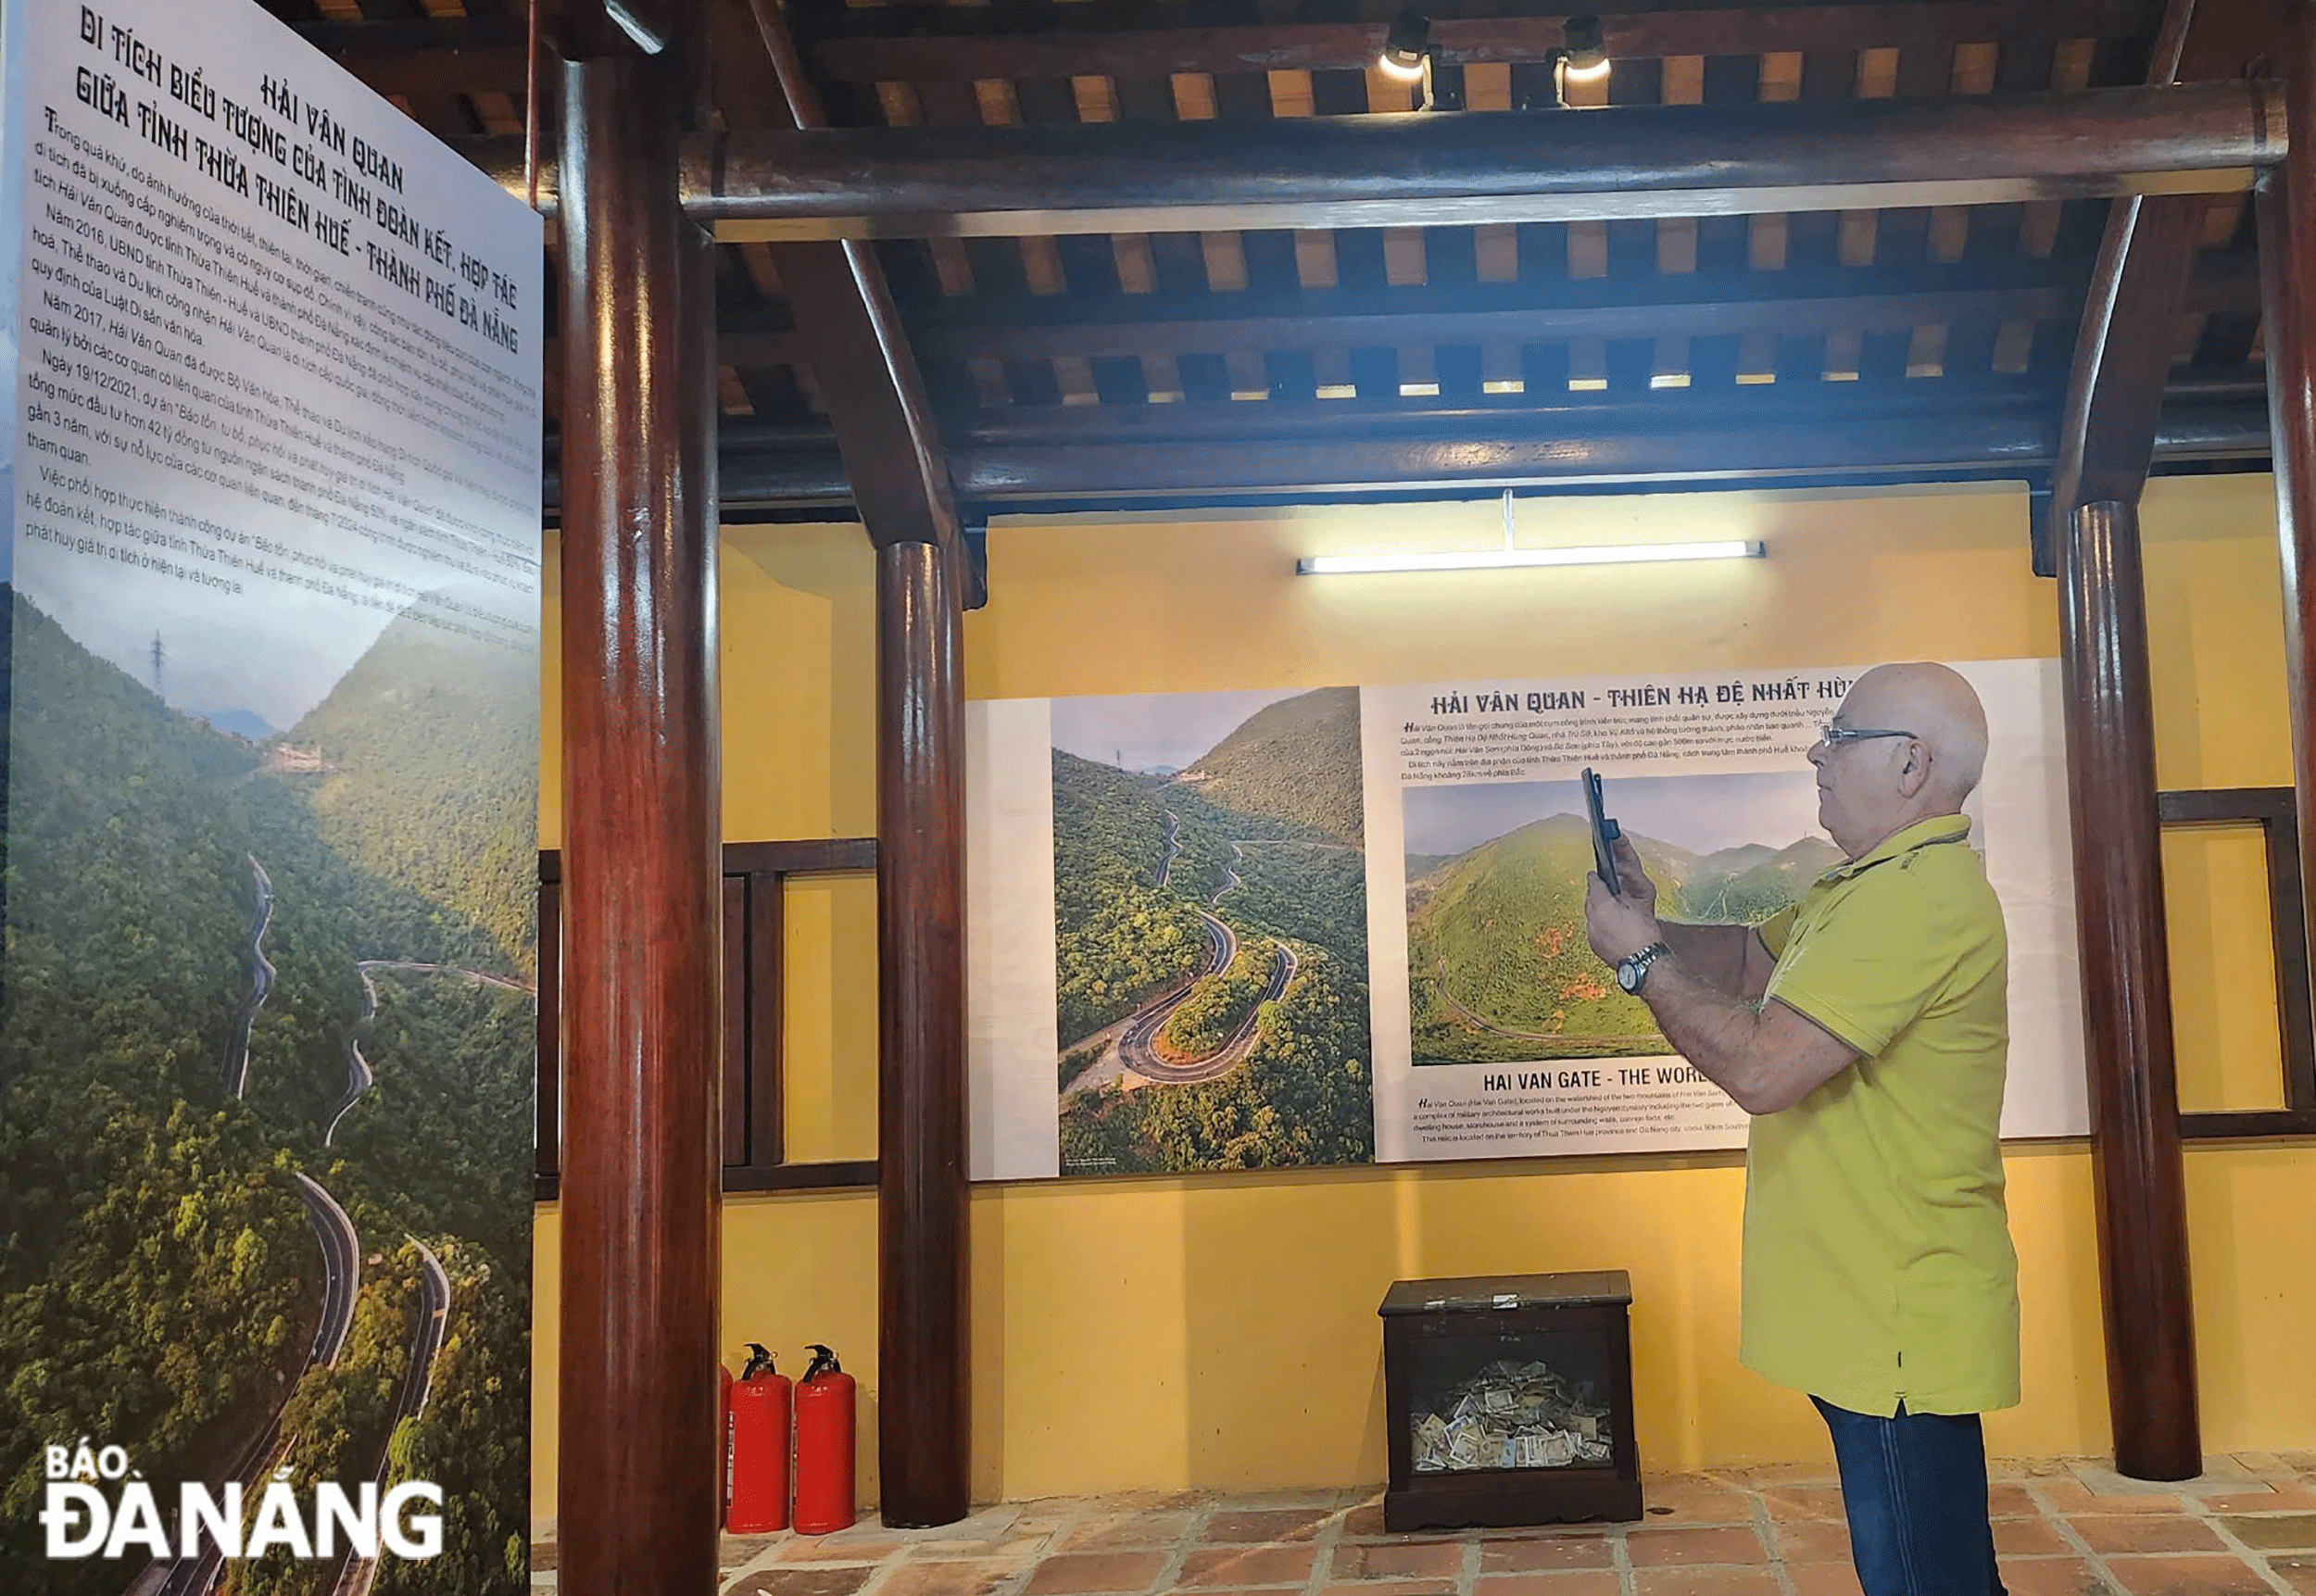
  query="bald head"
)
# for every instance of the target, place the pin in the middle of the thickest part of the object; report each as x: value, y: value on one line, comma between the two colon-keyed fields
x: 1871, y: 788
x: 1938, y: 706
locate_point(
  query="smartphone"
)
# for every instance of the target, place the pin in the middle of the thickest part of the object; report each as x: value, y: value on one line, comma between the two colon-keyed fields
x: 1603, y: 833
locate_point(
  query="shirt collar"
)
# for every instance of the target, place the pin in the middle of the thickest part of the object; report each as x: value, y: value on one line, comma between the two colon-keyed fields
x: 1921, y: 834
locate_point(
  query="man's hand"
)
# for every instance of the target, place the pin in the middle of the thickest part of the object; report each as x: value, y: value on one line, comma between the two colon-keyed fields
x: 1619, y: 927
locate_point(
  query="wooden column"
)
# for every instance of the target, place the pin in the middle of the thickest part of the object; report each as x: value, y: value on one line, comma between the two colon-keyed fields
x: 2287, y: 258
x: 925, y: 1276
x: 2140, y: 1191
x: 642, y: 905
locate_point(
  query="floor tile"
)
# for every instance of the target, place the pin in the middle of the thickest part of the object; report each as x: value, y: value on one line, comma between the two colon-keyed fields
x: 1080, y: 1574
x: 737, y: 1551
x: 1697, y: 1503
x: 1239, y: 1566
x: 1681, y: 1548
x: 1397, y: 1587
x: 1807, y: 1501
x: 2029, y: 1538
x: 963, y: 1577
x: 1545, y: 1554
x: 1105, y: 1531
x: 1281, y: 1524
x: 2012, y: 1501
x: 2285, y: 1532
x: 2187, y: 1576
x: 803, y: 1582
x: 1812, y: 1542
x: 1416, y: 1560
x: 2299, y: 1573
x: 1600, y: 1582
x: 2068, y: 1496
x: 1705, y: 1582
x: 1822, y: 1578
x: 2052, y: 1577
x: 835, y: 1549
x: 2144, y: 1532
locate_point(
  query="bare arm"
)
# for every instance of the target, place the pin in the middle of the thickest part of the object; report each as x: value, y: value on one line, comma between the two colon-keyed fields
x: 1729, y: 959
x: 1766, y: 1056
x: 1766, y: 1059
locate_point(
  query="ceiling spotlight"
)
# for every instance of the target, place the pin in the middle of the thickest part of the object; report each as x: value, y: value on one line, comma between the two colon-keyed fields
x: 1586, y: 56
x: 1405, y: 47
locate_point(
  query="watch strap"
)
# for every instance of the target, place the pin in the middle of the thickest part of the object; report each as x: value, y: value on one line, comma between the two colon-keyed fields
x: 1641, y: 961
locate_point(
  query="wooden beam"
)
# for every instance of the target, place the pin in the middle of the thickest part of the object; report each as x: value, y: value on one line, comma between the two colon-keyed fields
x: 1700, y: 304
x: 2287, y: 251
x: 848, y: 330
x: 1075, y: 455
x: 641, y: 901
x: 1413, y: 169
x: 927, y: 45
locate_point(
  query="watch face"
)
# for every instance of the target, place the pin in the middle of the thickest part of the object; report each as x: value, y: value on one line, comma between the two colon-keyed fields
x: 1628, y: 976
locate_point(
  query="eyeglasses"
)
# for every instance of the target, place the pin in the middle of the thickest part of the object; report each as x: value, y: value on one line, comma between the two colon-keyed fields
x: 1834, y: 736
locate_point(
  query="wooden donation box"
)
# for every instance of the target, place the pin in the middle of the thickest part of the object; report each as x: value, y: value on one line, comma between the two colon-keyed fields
x: 1508, y: 1399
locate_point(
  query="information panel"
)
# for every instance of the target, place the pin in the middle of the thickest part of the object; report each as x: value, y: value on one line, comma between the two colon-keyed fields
x: 267, y: 1002
x: 1346, y: 924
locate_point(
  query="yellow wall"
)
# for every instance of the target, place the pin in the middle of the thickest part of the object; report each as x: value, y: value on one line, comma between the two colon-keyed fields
x: 1220, y: 1330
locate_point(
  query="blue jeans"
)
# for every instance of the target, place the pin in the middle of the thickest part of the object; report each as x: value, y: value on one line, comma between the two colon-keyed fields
x: 1915, y: 1490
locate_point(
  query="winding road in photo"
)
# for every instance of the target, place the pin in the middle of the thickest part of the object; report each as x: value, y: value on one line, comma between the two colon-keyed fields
x: 359, y: 1574
x: 1130, y: 1045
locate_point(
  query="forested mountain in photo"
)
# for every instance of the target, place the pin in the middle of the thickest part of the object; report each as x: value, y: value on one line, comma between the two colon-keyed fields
x: 1211, y: 941
x: 265, y: 1104
x: 1499, y: 970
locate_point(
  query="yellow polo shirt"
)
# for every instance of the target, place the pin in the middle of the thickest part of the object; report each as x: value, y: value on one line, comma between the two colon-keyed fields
x: 1878, y: 1260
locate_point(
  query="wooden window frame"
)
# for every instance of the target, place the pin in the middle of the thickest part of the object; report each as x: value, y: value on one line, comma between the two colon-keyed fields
x: 2270, y: 809
x: 755, y: 888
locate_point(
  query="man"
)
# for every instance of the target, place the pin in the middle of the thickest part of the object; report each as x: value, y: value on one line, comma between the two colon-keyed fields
x: 1866, y: 1029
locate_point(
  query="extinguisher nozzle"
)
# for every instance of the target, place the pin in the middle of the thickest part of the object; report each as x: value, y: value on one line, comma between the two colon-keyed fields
x: 759, y: 1361
x: 823, y: 1361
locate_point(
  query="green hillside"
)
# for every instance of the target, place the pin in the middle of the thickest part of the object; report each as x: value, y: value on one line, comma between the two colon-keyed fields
x: 1295, y: 761
x: 1498, y: 964
x: 1217, y: 1005
x: 1119, y: 936
x: 1124, y: 936
x: 435, y: 741
x: 147, y: 1224
x: 1305, y: 1096
x: 159, y: 1278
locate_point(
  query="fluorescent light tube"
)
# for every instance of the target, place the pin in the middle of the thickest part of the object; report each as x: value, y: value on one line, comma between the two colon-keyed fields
x: 1507, y: 559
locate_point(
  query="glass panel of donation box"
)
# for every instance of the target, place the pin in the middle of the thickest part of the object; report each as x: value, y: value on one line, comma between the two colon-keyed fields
x: 1539, y: 1399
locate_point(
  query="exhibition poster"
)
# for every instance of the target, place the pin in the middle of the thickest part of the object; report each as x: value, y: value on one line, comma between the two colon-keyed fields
x: 267, y: 1002
x: 1345, y: 925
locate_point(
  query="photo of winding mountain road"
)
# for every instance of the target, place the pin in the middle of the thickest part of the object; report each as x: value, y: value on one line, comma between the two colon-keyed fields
x: 1210, y: 930
x: 1131, y: 1044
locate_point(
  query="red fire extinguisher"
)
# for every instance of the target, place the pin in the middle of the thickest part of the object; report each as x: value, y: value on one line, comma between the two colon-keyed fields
x: 759, y: 1448
x: 824, y: 1446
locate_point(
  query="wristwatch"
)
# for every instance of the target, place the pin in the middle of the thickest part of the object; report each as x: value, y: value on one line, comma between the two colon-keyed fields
x: 1635, y: 970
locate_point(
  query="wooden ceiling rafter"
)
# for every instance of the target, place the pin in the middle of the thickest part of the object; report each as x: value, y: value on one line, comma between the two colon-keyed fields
x: 1347, y: 326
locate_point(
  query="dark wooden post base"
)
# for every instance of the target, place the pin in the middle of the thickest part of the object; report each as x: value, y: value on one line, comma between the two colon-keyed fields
x: 2141, y: 1194
x: 924, y: 1341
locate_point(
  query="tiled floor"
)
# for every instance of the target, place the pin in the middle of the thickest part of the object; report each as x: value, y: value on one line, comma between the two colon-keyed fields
x: 2062, y: 1529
